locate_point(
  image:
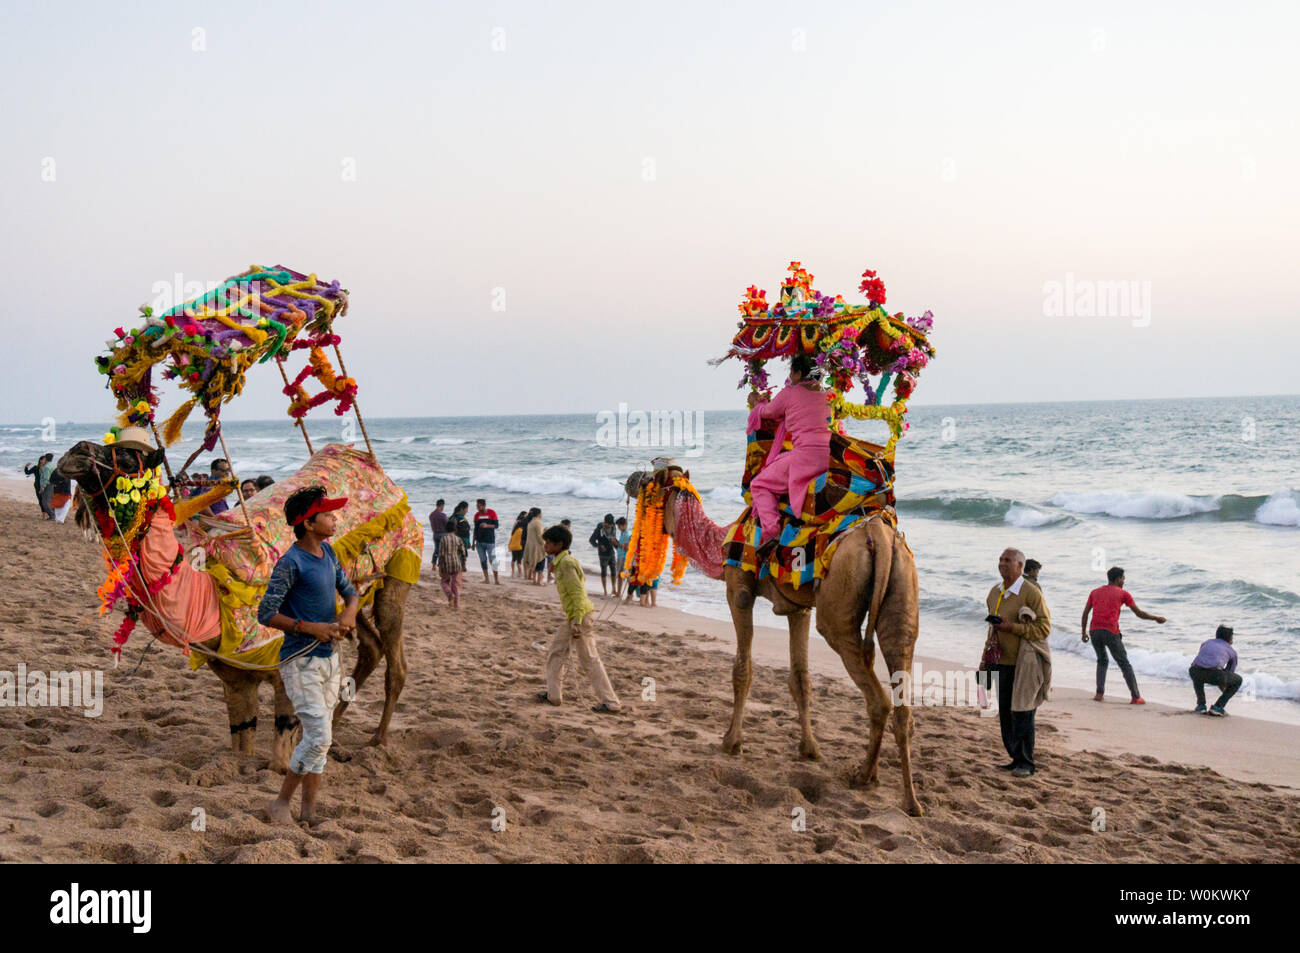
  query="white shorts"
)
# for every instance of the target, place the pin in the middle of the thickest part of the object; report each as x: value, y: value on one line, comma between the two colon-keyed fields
x: 312, y: 684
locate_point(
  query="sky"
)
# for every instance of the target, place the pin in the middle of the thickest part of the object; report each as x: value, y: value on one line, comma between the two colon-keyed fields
x: 555, y: 208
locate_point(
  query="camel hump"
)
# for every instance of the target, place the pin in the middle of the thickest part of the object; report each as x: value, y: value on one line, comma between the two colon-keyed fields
x: 377, y: 509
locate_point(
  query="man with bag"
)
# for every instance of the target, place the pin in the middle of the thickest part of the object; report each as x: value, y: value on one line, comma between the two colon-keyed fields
x: 1016, y: 649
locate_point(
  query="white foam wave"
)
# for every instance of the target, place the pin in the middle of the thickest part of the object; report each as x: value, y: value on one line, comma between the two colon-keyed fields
x: 447, y: 441
x: 727, y: 493
x: 1029, y: 518
x: 268, y: 439
x: 1148, y: 506
x: 587, y: 488
x: 1280, y: 509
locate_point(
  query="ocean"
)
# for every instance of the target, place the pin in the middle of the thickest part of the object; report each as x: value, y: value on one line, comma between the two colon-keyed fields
x: 1198, y: 500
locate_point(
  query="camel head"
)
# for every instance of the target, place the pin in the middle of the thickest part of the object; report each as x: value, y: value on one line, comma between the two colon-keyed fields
x: 663, y: 478
x: 93, y: 465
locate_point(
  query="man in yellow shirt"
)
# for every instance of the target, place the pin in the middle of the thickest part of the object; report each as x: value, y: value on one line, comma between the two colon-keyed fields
x: 576, y: 628
x: 1021, y: 615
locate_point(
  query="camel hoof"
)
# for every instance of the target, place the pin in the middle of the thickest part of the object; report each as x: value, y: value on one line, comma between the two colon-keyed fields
x: 864, y: 780
x: 378, y: 741
x: 809, y: 750
x: 915, y: 810
x: 731, y: 746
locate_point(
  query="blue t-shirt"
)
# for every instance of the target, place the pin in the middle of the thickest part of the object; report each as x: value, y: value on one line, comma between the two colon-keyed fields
x: 303, y: 586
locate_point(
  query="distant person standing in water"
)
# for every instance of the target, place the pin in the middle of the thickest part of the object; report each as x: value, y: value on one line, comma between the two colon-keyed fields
x: 438, y: 523
x: 1215, y: 664
x: 485, y: 539
x: 1031, y: 571
x: 1105, y: 603
x: 534, y: 550
x: 516, y: 544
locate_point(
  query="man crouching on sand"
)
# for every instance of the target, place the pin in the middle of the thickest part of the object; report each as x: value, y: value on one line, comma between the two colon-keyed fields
x: 577, y: 625
x: 300, y: 601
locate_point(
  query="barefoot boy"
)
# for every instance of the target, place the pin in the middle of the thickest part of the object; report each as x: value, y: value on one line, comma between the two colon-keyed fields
x: 576, y: 628
x: 300, y: 601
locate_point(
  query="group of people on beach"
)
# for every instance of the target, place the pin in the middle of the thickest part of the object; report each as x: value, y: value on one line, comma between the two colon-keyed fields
x: 1016, y: 649
x: 456, y: 533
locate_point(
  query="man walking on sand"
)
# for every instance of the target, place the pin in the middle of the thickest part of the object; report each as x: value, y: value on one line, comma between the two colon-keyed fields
x: 438, y: 523
x: 485, y: 538
x: 1019, y: 624
x: 1105, y: 603
x: 1215, y: 664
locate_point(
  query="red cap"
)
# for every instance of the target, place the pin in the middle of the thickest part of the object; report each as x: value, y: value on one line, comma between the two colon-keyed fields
x: 323, y: 505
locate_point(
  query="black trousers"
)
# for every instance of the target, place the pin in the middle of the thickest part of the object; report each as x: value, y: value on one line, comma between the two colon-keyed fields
x: 1017, y: 726
x: 1228, y: 681
x: 1103, y: 640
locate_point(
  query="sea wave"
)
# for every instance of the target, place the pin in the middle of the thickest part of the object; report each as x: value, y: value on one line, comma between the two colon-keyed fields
x: 587, y: 488
x: 984, y: 510
x: 267, y: 440
x: 1279, y: 509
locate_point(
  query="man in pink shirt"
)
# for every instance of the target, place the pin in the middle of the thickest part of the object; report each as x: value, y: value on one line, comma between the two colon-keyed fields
x: 799, y: 412
x: 1105, y: 603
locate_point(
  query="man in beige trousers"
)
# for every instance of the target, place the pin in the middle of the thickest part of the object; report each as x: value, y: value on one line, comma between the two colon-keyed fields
x: 576, y: 628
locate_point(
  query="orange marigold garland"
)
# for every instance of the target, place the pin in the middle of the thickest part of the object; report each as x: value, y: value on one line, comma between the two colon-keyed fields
x: 649, y: 542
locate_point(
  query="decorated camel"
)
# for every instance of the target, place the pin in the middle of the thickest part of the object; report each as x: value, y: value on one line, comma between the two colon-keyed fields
x: 842, y: 553
x: 195, y: 579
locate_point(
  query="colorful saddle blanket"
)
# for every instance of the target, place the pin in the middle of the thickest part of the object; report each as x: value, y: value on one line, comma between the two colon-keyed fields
x: 376, y: 532
x: 857, y: 486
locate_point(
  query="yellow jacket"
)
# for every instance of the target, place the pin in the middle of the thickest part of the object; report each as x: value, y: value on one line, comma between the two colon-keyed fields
x: 572, y: 585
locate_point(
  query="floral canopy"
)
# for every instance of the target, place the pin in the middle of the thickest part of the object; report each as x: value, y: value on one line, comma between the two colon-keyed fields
x: 850, y: 343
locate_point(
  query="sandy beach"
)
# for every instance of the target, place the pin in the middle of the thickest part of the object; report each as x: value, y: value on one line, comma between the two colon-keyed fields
x: 470, y: 745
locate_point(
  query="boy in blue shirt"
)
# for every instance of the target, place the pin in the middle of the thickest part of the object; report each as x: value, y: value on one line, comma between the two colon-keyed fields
x: 300, y: 601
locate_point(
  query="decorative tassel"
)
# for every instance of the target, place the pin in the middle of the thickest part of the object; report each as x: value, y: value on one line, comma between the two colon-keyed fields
x: 171, y: 429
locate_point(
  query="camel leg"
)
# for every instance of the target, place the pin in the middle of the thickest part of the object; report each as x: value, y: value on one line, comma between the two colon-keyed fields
x: 368, y: 655
x: 897, y: 633
x: 742, y: 670
x: 241, y: 704
x: 390, y: 607
x: 285, y: 723
x: 801, y: 682
x: 842, y: 606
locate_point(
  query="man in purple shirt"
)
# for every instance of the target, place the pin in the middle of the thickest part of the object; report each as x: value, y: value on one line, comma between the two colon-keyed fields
x: 1215, y: 664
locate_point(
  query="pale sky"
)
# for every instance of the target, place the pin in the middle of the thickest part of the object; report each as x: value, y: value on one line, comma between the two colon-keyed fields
x: 625, y: 171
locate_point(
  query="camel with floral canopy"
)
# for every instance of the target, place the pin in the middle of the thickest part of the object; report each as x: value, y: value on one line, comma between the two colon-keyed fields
x: 195, y: 580
x: 841, y: 553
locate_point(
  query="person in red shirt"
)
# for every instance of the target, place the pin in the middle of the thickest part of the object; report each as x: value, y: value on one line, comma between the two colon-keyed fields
x: 485, y: 539
x: 1105, y: 604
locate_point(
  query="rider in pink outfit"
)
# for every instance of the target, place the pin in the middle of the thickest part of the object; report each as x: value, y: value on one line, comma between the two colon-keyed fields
x: 800, y: 412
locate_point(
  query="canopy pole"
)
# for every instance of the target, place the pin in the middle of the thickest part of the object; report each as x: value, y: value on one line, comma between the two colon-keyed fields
x: 356, y: 408
x: 242, y: 505
x: 299, y: 422
x: 171, y: 480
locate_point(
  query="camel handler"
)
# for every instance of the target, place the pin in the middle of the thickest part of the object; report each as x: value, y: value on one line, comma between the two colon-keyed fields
x: 1017, y: 650
x: 300, y: 602
x: 578, y: 616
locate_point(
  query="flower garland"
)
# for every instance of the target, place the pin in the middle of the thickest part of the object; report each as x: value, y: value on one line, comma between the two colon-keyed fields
x: 649, y: 542
x: 341, y: 389
x: 124, y: 514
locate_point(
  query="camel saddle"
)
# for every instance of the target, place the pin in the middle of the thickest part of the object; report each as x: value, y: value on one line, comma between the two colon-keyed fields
x: 858, y: 486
